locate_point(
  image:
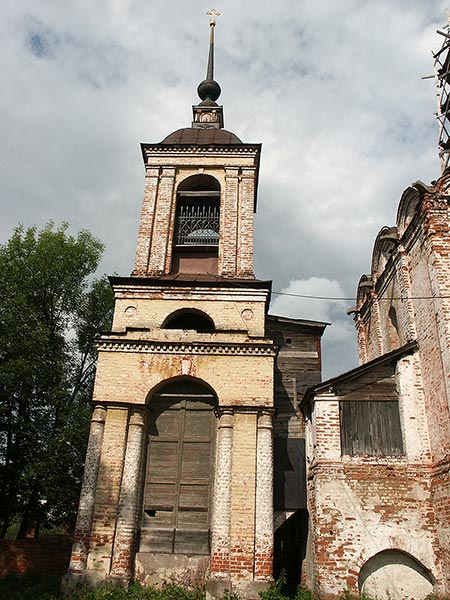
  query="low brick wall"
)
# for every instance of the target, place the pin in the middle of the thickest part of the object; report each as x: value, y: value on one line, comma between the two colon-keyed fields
x: 48, y: 554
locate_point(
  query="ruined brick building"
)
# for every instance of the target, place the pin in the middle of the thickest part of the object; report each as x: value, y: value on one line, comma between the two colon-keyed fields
x: 196, y: 457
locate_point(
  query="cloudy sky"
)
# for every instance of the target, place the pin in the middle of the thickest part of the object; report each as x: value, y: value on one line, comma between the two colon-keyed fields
x: 332, y: 89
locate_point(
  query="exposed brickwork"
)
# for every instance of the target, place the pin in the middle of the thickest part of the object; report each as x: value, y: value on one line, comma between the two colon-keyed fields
x: 361, y: 506
x: 243, y: 485
x: 49, y: 554
x: 107, y: 493
x: 165, y: 170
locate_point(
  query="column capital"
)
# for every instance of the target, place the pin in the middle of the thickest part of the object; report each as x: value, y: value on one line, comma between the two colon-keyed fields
x: 98, y: 414
x: 226, y: 417
x: 168, y: 172
x: 232, y: 172
x: 265, y: 418
x: 248, y: 172
x: 138, y: 415
x: 152, y: 171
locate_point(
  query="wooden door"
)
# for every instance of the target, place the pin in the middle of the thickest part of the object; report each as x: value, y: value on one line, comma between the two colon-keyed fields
x: 177, y: 496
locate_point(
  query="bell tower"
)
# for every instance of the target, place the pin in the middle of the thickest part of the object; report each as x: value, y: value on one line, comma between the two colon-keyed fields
x: 200, y: 195
x: 179, y: 470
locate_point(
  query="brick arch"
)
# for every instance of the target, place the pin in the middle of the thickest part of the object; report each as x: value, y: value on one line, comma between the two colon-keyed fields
x: 196, y: 227
x: 383, y: 247
x: 198, y: 182
x: 182, y: 378
x: 189, y: 318
x: 396, y: 574
x: 177, y: 499
x: 408, y: 206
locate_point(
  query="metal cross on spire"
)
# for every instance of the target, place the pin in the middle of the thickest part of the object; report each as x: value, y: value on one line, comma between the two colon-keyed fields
x: 213, y: 14
x: 209, y: 90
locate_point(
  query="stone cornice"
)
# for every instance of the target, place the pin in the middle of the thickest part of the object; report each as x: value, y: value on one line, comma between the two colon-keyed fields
x: 149, y: 149
x: 153, y: 347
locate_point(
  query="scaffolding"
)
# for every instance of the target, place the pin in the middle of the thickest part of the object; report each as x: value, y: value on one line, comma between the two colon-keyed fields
x: 442, y: 79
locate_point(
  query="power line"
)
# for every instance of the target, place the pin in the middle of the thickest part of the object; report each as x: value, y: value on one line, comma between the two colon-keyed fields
x: 340, y: 298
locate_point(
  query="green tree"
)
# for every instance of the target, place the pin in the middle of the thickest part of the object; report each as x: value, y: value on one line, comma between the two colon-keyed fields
x: 51, y: 311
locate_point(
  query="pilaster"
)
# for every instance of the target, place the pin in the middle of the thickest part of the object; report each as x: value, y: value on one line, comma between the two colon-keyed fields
x: 161, y: 243
x: 264, y: 497
x: 246, y: 210
x: 129, y: 500
x: 107, y: 493
x: 147, y: 222
x: 229, y: 223
x: 82, y: 535
x: 221, y: 512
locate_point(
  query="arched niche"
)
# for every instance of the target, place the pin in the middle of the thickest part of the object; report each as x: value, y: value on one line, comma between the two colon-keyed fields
x: 408, y: 206
x: 365, y: 286
x: 393, y: 329
x: 177, y: 494
x: 197, y: 225
x: 189, y: 318
x: 383, y: 248
x: 394, y: 575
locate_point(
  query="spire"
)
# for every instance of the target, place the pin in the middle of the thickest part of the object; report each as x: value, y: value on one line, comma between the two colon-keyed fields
x: 208, y: 114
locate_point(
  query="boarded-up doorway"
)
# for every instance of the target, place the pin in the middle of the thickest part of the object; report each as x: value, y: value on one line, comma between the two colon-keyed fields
x: 179, y: 473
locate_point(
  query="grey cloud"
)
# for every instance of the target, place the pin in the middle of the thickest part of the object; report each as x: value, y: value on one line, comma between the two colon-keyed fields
x: 333, y: 90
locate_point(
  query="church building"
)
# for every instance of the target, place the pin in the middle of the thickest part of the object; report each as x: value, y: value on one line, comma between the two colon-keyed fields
x: 197, y: 386
x: 216, y: 453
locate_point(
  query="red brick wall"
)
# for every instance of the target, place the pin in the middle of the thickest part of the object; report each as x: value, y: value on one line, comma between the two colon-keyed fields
x: 49, y: 554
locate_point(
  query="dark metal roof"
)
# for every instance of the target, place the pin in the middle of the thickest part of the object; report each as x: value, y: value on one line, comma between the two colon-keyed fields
x: 195, y: 280
x: 190, y: 135
x: 299, y: 322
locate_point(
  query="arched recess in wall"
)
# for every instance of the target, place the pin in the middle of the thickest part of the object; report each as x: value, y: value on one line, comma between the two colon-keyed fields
x: 177, y: 494
x: 394, y: 336
x: 189, y: 318
x: 396, y: 575
x: 197, y: 222
x: 382, y: 250
x: 408, y: 206
x: 365, y: 286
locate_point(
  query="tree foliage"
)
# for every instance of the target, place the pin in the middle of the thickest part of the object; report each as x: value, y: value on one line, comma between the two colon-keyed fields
x: 51, y: 311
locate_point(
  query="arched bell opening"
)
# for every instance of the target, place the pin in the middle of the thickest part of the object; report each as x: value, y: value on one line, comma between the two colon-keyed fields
x: 197, y: 221
x: 189, y: 318
x: 177, y: 494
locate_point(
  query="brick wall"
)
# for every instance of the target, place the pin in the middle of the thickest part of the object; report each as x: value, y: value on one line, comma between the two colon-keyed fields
x: 49, y: 554
x: 236, y: 173
x: 417, y: 270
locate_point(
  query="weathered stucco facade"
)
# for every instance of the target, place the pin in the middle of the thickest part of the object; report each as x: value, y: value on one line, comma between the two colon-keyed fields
x: 379, y: 436
x: 191, y: 383
x: 197, y: 465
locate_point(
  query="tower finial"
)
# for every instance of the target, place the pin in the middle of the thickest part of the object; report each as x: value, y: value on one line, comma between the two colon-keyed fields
x: 208, y: 88
x: 213, y: 14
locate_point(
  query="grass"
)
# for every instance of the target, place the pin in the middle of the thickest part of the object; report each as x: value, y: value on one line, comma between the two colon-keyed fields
x: 39, y: 586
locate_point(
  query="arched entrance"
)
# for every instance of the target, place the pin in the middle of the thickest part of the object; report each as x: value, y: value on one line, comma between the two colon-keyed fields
x: 179, y: 470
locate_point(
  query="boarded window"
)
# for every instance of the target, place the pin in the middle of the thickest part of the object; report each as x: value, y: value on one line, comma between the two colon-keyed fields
x: 371, y: 428
x: 178, y: 488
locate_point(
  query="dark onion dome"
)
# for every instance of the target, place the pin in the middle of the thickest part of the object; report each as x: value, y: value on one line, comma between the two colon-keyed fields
x: 208, y: 89
x: 205, y: 137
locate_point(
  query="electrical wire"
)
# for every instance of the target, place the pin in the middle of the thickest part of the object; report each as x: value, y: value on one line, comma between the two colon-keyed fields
x: 336, y: 298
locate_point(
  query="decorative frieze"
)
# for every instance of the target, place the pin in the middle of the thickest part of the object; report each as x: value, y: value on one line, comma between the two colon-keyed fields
x: 193, y: 348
